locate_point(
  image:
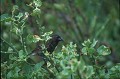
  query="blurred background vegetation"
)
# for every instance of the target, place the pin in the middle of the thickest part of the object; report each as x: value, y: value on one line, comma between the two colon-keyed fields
x: 73, y: 20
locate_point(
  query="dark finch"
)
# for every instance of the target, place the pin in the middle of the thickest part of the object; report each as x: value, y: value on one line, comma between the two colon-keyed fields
x: 53, y: 42
x: 37, y: 54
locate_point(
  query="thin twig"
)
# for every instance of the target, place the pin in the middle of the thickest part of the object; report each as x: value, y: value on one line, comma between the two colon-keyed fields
x: 22, y: 42
x: 9, y: 45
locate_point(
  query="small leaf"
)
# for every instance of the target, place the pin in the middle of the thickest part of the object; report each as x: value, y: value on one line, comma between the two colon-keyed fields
x: 5, y: 17
x: 84, y: 50
x: 12, y: 57
x: 94, y: 43
x: 36, y: 11
x: 103, y: 50
x: 15, y: 7
x: 46, y: 35
x: 87, y: 43
x: 37, y: 3
x: 91, y: 50
x: 38, y: 66
x: 16, y: 30
x: 10, y: 50
x: 36, y: 38
x: 115, y: 68
x: 13, y: 73
x: 82, y: 65
x: 9, y: 75
x: 89, y: 71
x: 103, y: 74
x: 115, y: 72
x: 33, y: 38
x: 21, y: 54
x: 16, y: 70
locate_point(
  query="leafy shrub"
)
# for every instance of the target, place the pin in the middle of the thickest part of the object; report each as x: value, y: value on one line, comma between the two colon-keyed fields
x: 65, y: 64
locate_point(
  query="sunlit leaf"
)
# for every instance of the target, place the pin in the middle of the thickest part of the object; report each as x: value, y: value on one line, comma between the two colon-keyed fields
x: 87, y: 43
x: 84, y: 50
x: 36, y: 11
x: 89, y: 71
x: 103, y: 50
x: 94, y: 43
x: 37, y: 3
x: 21, y: 54
x: 33, y: 38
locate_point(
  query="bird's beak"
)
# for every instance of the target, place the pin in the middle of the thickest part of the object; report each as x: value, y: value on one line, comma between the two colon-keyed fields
x: 60, y: 39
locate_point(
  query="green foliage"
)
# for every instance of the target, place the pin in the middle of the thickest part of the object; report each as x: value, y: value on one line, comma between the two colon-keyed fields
x: 103, y: 50
x: 67, y: 63
x: 88, y: 47
x: 115, y: 71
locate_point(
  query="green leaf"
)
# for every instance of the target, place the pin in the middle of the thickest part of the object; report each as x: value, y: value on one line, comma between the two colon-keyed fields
x: 87, y: 43
x: 103, y: 50
x: 12, y: 57
x: 89, y: 71
x: 15, y: 7
x: 104, y: 75
x: 84, y: 50
x: 37, y: 3
x: 115, y: 68
x: 46, y: 35
x: 33, y: 38
x: 5, y: 17
x: 62, y: 63
x: 74, y: 64
x: 13, y: 73
x: 36, y: 11
x: 91, y: 50
x: 9, y: 75
x: 21, y: 54
x: 16, y: 30
x: 65, y: 72
x: 16, y: 70
x: 10, y: 50
x: 115, y: 72
x: 94, y: 43
x: 38, y: 66
x: 82, y: 65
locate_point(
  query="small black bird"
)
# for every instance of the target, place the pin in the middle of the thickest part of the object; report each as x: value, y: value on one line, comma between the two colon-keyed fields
x: 52, y: 43
x: 37, y: 54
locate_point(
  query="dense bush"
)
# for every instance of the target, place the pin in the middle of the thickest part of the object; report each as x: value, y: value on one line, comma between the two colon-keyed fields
x: 86, y: 57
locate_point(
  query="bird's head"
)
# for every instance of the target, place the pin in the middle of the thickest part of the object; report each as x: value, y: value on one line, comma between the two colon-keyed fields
x: 57, y: 38
x: 53, y: 42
